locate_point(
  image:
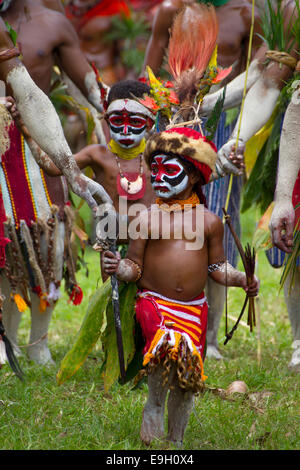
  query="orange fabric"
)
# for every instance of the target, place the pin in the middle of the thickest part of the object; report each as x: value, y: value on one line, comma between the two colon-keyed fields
x: 193, y: 201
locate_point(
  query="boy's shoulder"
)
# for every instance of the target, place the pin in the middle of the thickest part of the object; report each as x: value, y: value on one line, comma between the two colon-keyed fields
x: 97, y: 150
x: 212, y: 221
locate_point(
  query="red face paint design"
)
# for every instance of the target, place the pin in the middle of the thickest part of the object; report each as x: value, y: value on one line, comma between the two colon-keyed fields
x: 126, y: 128
x: 125, y: 120
x: 168, y: 176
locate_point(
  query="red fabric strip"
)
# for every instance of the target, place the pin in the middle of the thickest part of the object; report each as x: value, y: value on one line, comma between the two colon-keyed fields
x: 12, y: 162
x: 103, y: 8
x: 296, y: 199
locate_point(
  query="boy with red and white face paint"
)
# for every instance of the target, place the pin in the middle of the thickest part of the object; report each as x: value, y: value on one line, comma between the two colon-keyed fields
x: 171, y: 307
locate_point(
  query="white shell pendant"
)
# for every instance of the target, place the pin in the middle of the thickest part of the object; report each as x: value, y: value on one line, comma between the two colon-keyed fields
x: 131, y: 187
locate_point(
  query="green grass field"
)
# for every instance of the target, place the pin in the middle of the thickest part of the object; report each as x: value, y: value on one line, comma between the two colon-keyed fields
x: 38, y: 414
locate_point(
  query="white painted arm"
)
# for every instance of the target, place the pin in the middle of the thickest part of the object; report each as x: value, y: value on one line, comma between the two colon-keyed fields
x: 44, y: 126
x: 259, y: 104
x: 258, y: 107
x: 234, y: 90
x: 283, y: 216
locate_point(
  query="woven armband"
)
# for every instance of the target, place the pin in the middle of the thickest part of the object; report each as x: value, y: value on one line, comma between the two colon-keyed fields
x: 136, y: 266
x: 215, y: 266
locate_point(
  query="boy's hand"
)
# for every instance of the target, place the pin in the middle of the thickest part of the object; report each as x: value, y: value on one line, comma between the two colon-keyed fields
x: 111, y: 262
x: 253, y: 289
x: 10, y: 104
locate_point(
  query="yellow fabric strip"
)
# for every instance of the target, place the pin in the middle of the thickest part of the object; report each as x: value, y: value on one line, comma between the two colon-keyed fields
x: 126, y: 154
x: 148, y: 356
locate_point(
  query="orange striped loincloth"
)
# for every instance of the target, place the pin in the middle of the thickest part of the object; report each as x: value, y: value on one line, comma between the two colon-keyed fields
x: 164, y: 320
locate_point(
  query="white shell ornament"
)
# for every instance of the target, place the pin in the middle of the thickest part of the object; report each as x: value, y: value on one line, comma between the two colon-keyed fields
x: 131, y: 187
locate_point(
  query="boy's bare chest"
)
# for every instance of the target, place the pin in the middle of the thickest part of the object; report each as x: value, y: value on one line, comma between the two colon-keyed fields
x: 187, y: 225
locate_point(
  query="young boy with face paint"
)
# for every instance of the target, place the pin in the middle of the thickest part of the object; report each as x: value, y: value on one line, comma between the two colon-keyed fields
x: 171, y: 274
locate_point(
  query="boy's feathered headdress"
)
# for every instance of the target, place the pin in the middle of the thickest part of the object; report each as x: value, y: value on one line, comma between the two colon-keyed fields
x: 192, y: 43
x: 192, y: 60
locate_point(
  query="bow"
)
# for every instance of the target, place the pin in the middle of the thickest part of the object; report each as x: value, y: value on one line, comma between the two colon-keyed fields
x: 248, y: 259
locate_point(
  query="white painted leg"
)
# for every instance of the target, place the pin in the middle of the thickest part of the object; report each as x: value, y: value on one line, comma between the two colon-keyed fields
x: 180, y: 405
x: 10, y: 315
x: 39, y: 352
x: 292, y: 300
x: 215, y: 294
x: 153, y: 414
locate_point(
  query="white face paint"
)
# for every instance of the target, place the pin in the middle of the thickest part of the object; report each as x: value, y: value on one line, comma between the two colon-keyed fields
x: 128, y: 122
x: 168, y: 176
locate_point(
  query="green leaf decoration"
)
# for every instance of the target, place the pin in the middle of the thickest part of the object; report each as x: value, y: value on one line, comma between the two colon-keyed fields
x: 130, y: 33
x: 231, y: 115
x: 260, y: 187
x: 88, y: 334
x: 213, y: 120
x: 277, y: 34
x: 290, y: 266
x: 262, y: 236
x: 12, y: 32
x: 127, y: 296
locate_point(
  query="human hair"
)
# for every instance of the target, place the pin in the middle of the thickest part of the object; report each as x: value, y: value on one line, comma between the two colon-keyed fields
x: 127, y: 89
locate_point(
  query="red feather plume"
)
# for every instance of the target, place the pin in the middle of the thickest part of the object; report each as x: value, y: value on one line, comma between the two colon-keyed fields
x: 193, y: 39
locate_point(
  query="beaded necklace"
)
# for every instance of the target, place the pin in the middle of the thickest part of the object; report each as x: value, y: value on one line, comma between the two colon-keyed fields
x: 134, y: 189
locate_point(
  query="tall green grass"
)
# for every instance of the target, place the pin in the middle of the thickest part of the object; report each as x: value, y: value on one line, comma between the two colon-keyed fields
x: 37, y: 414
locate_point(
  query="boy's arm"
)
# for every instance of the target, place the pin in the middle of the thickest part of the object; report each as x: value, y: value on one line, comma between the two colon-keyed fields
x: 130, y: 268
x: 218, y: 267
x: 83, y: 158
x: 159, y: 39
x: 283, y: 215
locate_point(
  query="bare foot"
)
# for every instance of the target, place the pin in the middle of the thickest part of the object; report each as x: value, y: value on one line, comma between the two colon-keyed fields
x: 152, y: 426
